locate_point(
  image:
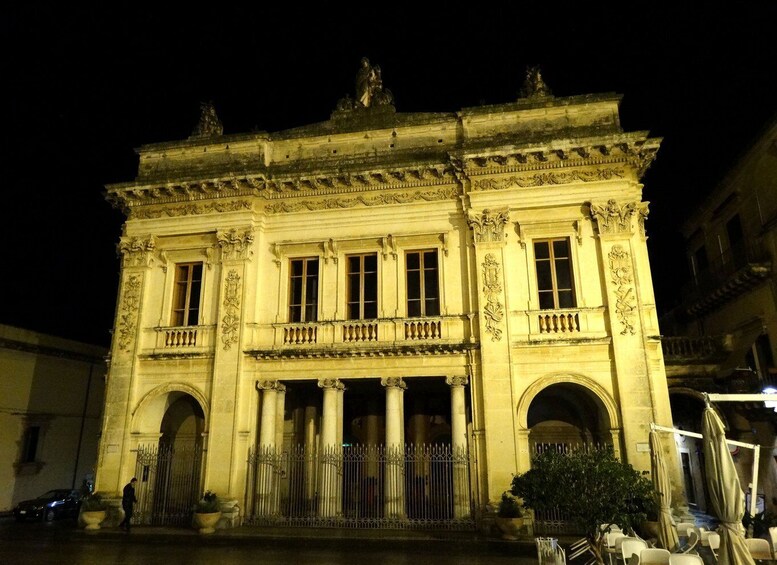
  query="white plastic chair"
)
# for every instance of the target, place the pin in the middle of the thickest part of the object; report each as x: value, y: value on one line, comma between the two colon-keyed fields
x: 773, y: 537
x: 685, y: 559
x: 684, y: 527
x: 654, y: 556
x: 630, y: 547
x: 713, y: 541
x: 759, y: 548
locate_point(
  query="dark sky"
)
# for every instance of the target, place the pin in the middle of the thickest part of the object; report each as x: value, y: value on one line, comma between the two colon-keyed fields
x: 82, y: 88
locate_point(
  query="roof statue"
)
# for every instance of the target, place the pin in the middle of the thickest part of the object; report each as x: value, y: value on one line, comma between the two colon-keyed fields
x: 370, y: 91
x: 209, y: 124
x: 533, y: 85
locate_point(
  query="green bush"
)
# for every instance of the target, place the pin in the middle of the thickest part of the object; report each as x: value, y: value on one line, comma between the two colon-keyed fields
x: 508, y: 507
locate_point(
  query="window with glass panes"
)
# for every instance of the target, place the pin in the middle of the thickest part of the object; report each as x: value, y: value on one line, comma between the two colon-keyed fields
x: 362, y: 275
x: 423, y: 283
x: 303, y: 290
x: 186, y: 297
x: 554, y: 274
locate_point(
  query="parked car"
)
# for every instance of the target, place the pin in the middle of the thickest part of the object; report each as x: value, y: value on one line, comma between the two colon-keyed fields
x: 49, y: 506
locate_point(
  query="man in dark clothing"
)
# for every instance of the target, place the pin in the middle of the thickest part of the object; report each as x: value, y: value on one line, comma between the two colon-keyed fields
x: 128, y: 500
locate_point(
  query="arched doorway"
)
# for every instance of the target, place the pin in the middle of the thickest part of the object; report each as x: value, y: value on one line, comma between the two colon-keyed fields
x: 564, y: 416
x: 169, y: 470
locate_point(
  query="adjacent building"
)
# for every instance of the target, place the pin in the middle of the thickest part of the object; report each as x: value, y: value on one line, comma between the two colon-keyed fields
x: 377, y: 319
x: 728, y: 319
x: 52, y: 393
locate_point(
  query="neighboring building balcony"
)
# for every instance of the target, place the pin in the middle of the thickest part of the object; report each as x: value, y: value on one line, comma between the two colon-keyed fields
x: 695, y: 356
x: 563, y: 323
x: 350, y: 333
x: 184, y: 339
x: 730, y: 275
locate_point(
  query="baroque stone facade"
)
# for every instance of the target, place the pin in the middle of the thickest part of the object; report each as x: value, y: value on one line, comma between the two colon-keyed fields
x: 475, y: 282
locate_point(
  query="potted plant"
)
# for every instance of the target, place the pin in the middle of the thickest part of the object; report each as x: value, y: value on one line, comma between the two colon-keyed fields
x: 509, y: 517
x: 207, y: 513
x: 93, y: 509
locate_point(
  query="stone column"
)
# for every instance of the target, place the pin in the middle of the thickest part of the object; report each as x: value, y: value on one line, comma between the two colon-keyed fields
x: 266, y: 475
x: 461, y: 506
x: 331, y: 452
x: 340, y: 426
x: 394, y: 488
x: 310, y: 454
x: 280, y: 412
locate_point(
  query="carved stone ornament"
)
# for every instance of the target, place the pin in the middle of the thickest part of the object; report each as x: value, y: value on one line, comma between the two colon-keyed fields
x: 625, y: 303
x: 493, y: 311
x: 490, y: 225
x: 456, y: 381
x: 369, y: 89
x: 209, y: 124
x: 393, y: 382
x: 269, y: 385
x: 380, y: 200
x: 190, y: 209
x: 230, y: 323
x: 533, y: 85
x: 128, y: 312
x: 336, y: 384
x: 235, y: 244
x: 616, y: 218
x: 549, y: 178
x: 136, y: 251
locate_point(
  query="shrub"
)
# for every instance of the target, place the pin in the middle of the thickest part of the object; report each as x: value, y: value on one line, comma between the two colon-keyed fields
x: 508, y: 507
x: 93, y: 503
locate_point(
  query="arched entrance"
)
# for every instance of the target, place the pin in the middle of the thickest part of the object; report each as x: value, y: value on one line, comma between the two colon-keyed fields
x: 169, y: 470
x: 565, y: 416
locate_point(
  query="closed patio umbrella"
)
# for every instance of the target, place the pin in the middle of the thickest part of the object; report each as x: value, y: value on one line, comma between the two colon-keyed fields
x: 726, y: 496
x: 667, y: 535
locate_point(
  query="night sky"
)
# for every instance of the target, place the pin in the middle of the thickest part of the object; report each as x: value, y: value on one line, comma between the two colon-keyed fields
x: 82, y: 88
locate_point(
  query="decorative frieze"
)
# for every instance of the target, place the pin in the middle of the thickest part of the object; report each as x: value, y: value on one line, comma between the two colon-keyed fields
x: 231, y: 321
x: 622, y: 279
x: 190, y: 209
x: 128, y: 312
x: 136, y: 251
x: 489, y: 226
x: 614, y: 218
x: 447, y: 193
x: 493, y: 311
x: 548, y: 178
x: 235, y: 243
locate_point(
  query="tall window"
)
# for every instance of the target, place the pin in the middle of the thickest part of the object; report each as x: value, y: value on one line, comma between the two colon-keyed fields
x: 423, y: 283
x: 362, y: 286
x: 554, y: 274
x: 186, y: 298
x: 30, y: 444
x: 303, y: 290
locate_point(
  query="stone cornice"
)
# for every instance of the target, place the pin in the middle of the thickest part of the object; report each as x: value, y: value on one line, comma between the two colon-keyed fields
x: 328, y: 353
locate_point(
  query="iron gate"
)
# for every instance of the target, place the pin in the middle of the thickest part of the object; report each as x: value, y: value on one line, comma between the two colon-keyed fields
x: 168, y: 484
x: 361, y: 486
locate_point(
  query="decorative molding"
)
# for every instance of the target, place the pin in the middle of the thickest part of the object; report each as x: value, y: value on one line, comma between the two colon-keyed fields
x: 489, y: 225
x: 336, y: 384
x: 457, y: 381
x: 548, y: 178
x: 393, y: 382
x: 616, y: 218
x: 231, y: 320
x: 388, y: 247
x: 380, y: 352
x: 235, y: 243
x: 330, y: 250
x: 380, y: 200
x: 136, y: 251
x: 625, y: 303
x: 191, y: 209
x: 493, y: 311
x: 128, y: 312
x: 642, y: 214
x: 268, y: 385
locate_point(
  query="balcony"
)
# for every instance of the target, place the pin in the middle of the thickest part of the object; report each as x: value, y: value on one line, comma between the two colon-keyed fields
x: 183, y: 339
x: 561, y: 324
x: 730, y: 275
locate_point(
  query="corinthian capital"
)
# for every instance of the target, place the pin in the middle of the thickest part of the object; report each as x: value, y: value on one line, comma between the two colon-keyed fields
x: 489, y: 225
x: 393, y: 382
x: 136, y: 251
x: 617, y: 218
x: 235, y: 243
x: 336, y: 384
x: 456, y: 381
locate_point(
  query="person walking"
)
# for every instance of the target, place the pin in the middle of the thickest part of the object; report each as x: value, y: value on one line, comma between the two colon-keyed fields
x: 128, y: 500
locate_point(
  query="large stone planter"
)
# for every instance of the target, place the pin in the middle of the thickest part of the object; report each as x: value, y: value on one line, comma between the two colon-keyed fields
x: 93, y: 518
x: 207, y: 522
x: 510, y: 527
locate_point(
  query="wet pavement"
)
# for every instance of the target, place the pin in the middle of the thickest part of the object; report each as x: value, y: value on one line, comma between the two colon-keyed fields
x: 63, y: 542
